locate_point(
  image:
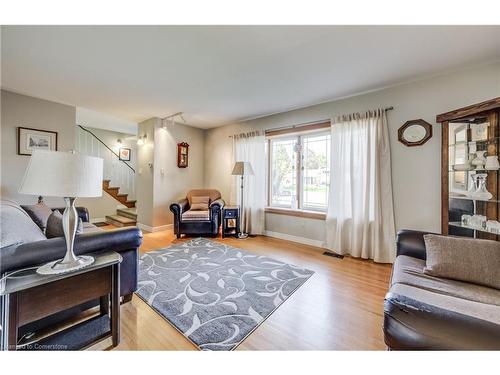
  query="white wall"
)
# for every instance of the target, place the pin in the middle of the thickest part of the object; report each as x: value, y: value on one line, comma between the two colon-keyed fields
x: 415, y: 170
x: 171, y: 182
x: 165, y: 183
x: 26, y: 111
x: 93, y: 119
x: 144, y: 178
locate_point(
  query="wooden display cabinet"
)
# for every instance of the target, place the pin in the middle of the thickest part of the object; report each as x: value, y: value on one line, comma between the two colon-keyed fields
x: 465, y: 133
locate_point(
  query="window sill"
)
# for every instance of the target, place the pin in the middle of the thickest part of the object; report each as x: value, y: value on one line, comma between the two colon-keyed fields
x: 297, y: 213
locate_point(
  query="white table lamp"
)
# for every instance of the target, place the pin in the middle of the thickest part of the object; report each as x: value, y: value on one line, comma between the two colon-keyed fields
x: 242, y: 168
x: 67, y: 175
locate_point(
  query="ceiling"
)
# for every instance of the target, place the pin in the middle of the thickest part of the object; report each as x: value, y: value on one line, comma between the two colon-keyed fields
x: 222, y: 74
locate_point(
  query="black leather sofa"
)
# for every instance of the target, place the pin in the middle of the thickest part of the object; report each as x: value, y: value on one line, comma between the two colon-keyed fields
x: 208, y: 225
x: 125, y: 241
x: 429, y: 313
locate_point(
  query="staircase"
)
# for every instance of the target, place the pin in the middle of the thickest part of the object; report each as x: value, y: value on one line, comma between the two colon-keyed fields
x: 118, y: 175
x: 125, y: 217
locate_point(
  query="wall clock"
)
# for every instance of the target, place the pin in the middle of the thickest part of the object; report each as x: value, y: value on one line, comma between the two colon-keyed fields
x: 415, y: 132
x: 182, y: 154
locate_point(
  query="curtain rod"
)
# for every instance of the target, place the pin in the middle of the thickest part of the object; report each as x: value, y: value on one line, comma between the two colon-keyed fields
x: 309, y: 123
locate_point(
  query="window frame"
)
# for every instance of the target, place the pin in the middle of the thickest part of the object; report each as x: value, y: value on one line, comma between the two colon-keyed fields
x: 297, y: 133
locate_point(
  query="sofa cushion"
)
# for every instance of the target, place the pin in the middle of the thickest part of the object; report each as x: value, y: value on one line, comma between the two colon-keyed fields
x: 200, y: 203
x: 192, y: 215
x: 483, y: 311
x: 55, y: 226
x: 211, y: 193
x: 466, y: 259
x: 39, y: 213
x: 410, y: 271
x: 16, y: 227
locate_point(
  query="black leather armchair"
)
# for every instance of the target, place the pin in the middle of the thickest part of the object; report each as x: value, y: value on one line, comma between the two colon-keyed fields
x: 206, y: 226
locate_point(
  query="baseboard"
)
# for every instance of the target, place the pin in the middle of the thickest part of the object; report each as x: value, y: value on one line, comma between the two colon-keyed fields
x: 289, y: 237
x: 147, y: 228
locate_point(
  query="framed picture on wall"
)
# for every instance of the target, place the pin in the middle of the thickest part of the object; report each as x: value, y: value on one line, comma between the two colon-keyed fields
x: 182, y: 155
x: 124, y: 154
x: 29, y: 139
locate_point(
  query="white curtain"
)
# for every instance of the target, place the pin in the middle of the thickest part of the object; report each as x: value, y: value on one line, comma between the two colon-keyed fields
x: 360, y: 218
x: 251, y: 147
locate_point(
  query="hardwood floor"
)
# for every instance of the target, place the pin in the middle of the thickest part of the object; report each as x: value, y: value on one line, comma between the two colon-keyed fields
x: 339, y: 308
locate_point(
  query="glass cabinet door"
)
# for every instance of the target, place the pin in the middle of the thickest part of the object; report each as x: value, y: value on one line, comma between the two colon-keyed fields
x: 472, y: 176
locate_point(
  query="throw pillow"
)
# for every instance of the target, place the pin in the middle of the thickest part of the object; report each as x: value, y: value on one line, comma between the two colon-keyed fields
x: 16, y: 227
x: 39, y: 213
x: 200, y: 203
x: 55, y: 226
x: 465, y: 259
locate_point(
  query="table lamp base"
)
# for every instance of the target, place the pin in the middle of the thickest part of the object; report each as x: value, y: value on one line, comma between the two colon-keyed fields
x: 58, y: 266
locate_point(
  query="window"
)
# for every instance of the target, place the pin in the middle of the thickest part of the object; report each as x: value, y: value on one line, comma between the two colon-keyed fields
x: 300, y: 171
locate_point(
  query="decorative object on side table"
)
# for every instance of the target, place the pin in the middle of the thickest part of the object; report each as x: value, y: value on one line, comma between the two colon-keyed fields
x: 29, y: 139
x: 68, y: 175
x: 230, y: 221
x: 242, y: 168
x: 415, y: 133
x: 182, y: 154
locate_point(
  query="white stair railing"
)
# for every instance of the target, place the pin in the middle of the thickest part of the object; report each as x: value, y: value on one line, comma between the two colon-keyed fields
x: 119, y: 172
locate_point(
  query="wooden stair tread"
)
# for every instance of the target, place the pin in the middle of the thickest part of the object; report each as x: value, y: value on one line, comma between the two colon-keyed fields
x: 127, y: 212
x: 121, y: 219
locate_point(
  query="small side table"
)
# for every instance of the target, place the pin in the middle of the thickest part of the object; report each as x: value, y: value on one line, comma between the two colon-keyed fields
x: 27, y: 296
x: 228, y: 213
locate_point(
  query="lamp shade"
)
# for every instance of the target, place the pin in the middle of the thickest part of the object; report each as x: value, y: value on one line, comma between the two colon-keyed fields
x: 242, y: 168
x: 62, y: 174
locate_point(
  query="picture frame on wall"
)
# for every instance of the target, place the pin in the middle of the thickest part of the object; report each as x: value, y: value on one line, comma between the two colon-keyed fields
x: 124, y: 154
x: 182, y: 154
x: 29, y: 139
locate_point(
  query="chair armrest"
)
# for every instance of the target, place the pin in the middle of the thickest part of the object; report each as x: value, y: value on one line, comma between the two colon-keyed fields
x: 216, y: 209
x: 179, y: 207
x: 411, y: 243
x: 82, y: 212
x: 38, y: 252
x: 217, y: 203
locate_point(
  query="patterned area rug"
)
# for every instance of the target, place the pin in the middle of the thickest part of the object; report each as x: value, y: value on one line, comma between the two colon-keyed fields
x: 215, y: 294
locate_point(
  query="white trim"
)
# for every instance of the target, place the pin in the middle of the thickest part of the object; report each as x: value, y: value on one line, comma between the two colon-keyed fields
x: 98, y: 220
x: 147, y: 228
x: 302, y: 240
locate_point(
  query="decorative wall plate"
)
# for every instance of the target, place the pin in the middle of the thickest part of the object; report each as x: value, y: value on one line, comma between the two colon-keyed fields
x: 415, y: 132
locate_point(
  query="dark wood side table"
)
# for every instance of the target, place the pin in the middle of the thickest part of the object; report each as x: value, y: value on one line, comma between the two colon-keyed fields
x: 27, y: 296
x: 230, y: 213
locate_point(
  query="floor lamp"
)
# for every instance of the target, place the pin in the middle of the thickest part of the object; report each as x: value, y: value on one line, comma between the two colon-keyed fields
x: 67, y: 175
x: 242, y: 168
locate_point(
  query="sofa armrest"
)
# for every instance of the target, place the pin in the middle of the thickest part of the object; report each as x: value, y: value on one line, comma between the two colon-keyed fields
x: 410, y: 324
x: 411, y: 243
x: 82, y: 212
x: 38, y: 252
